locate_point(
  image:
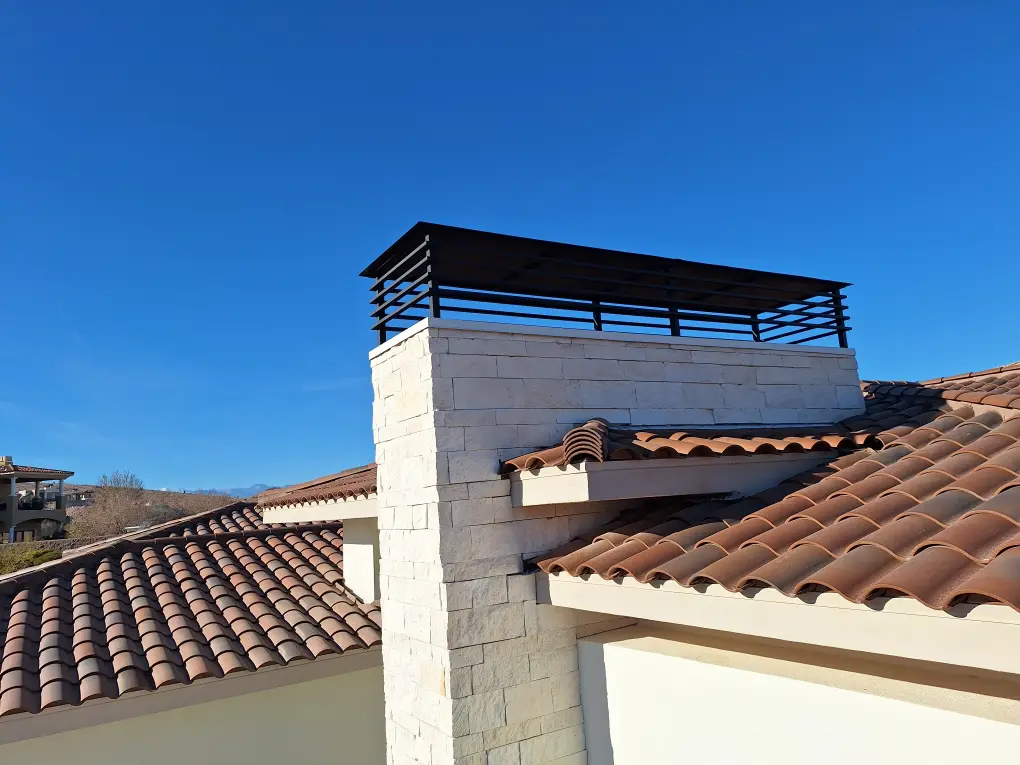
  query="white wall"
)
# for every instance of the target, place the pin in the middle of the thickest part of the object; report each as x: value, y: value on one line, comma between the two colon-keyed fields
x: 361, y: 557
x: 649, y: 697
x: 337, y: 720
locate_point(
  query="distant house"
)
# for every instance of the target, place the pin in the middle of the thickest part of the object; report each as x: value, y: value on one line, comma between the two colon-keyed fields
x: 25, y: 499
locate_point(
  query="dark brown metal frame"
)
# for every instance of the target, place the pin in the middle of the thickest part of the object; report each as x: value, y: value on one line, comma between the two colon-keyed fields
x: 418, y: 277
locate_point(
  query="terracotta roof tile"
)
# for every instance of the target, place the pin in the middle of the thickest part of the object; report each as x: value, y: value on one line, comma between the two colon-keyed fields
x: 357, y: 482
x: 598, y: 441
x: 998, y: 387
x: 931, y: 511
x: 203, y: 597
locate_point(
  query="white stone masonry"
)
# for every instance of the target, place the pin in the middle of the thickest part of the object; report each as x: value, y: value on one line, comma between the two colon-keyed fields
x: 477, y: 672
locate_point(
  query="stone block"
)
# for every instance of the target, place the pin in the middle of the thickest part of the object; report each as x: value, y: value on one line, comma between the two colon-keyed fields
x: 670, y: 416
x: 488, y: 393
x: 566, y: 718
x: 555, y: 349
x: 661, y: 395
x: 466, y: 365
x: 819, y: 397
x: 721, y: 357
x: 591, y: 369
x: 566, y: 691
x: 530, y: 367
x: 513, y: 732
x: 614, y: 394
x: 478, y: 713
x: 529, y: 700
x: 466, y: 657
x: 784, y: 375
x: 742, y: 396
x: 690, y: 372
x: 486, y: 625
x: 549, y: 747
x: 785, y: 396
x: 548, y: 394
x: 505, y: 755
x: 501, y: 673
x: 850, y: 397
x: 487, y: 346
x: 460, y: 682
x: 556, y: 662
x: 520, y: 587
x: 614, y: 350
x: 491, y: 437
x: 703, y: 395
x: 470, y: 466
x: 737, y: 416
x: 843, y: 377
x: 476, y: 569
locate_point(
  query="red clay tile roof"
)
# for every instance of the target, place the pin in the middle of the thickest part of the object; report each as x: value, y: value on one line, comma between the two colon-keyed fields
x: 994, y: 387
x: 44, y: 473
x: 598, y: 441
x: 934, y: 514
x: 203, y: 597
x: 356, y: 482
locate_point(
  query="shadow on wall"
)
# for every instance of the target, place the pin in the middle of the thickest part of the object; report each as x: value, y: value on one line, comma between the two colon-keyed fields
x: 598, y: 736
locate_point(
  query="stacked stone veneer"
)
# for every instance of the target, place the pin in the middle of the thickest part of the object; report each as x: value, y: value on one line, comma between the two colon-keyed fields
x: 477, y: 672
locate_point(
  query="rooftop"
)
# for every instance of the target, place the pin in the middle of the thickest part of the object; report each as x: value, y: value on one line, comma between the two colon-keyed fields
x: 435, y: 269
x: 10, y: 469
x: 200, y: 598
x: 348, y: 484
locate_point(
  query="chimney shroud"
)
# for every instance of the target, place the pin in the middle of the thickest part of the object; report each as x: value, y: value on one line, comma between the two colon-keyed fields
x: 435, y: 270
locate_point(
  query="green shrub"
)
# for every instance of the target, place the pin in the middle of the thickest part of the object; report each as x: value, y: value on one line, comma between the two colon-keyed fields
x: 18, y: 556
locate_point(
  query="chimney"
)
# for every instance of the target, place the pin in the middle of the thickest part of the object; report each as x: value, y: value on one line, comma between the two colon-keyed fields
x: 476, y: 669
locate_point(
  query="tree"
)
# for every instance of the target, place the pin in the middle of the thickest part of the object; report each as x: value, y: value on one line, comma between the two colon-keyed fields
x: 120, y: 479
x: 121, y: 502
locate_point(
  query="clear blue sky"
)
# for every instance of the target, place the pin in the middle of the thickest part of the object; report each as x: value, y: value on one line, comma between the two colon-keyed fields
x: 189, y: 189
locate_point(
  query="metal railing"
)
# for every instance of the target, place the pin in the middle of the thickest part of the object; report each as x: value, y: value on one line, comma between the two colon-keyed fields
x: 427, y: 281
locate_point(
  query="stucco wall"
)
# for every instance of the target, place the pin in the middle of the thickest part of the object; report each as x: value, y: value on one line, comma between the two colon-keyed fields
x: 333, y: 720
x: 653, y: 698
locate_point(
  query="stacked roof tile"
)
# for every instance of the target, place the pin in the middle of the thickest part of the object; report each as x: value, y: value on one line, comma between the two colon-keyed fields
x: 205, y: 597
x: 350, y: 484
x: 598, y: 441
x: 993, y: 387
x: 933, y: 514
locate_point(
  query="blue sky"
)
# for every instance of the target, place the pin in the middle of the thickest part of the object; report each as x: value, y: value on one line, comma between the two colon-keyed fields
x: 188, y: 191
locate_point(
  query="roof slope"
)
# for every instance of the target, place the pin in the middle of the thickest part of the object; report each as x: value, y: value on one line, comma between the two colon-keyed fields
x: 999, y: 386
x: 356, y: 482
x: 933, y: 514
x: 203, y: 597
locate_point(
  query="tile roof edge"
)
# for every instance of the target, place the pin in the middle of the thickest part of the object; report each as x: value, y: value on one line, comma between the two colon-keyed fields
x: 1012, y: 366
x: 914, y: 390
x: 29, y: 725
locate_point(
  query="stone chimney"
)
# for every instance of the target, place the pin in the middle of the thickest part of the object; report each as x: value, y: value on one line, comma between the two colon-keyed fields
x: 474, y: 666
x: 477, y: 672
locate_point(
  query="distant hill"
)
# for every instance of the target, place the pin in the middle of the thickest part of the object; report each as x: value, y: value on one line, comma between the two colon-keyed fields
x: 247, y: 491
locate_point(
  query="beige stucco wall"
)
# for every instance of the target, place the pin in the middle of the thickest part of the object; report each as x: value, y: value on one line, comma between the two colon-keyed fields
x: 333, y: 720
x: 650, y: 697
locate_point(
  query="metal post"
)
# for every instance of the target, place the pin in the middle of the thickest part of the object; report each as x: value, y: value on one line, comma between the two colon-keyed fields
x: 12, y: 506
x: 434, y: 308
x: 596, y: 314
x: 837, y: 301
x: 674, y: 321
x: 755, y: 329
x: 378, y: 295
